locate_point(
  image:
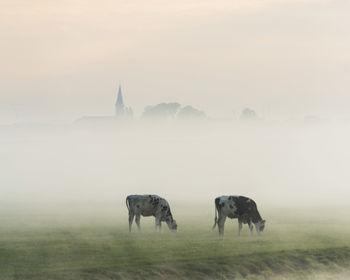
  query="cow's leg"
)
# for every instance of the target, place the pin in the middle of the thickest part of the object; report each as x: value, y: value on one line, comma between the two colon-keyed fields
x: 131, y: 219
x: 157, y: 224
x: 160, y: 226
x: 251, y: 227
x: 221, y: 224
x: 137, y: 220
x: 240, y: 226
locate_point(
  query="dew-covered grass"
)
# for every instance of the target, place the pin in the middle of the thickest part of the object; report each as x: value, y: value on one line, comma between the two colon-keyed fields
x: 92, y: 242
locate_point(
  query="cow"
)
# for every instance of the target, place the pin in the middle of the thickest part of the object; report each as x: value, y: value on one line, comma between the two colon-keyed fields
x: 240, y: 207
x: 150, y: 205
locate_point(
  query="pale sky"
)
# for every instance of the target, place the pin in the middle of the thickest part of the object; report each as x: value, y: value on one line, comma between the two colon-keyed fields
x: 61, y: 60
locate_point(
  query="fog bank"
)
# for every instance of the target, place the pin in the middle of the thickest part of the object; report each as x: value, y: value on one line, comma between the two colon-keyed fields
x: 193, y: 162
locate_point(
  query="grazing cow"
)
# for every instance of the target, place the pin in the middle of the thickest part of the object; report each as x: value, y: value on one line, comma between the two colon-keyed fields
x: 239, y: 207
x: 150, y: 205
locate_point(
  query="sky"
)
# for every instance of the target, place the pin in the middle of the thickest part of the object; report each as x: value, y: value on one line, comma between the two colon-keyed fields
x: 64, y: 59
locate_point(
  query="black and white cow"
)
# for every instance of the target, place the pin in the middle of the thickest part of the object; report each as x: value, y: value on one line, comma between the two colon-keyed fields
x: 239, y: 207
x: 150, y: 205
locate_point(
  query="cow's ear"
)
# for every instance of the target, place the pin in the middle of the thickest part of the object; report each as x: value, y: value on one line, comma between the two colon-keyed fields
x: 264, y: 221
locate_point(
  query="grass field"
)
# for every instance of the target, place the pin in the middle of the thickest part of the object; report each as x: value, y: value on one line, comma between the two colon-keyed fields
x: 81, y: 242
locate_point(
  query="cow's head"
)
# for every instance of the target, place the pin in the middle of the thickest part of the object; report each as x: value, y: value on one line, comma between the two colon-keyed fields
x: 260, y: 226
x: 171, y: 224
x: 169, y: 218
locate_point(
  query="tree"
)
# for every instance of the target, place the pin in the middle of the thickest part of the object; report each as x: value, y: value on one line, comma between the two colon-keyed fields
x: 248, y: 114
x: 162, y: 110
x: 188, y: 112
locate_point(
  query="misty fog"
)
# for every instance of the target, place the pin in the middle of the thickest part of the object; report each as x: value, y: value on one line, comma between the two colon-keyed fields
x: 276, y: 164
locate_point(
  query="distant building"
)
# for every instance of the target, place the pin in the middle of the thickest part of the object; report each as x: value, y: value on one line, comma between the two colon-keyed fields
x: 121, y: 111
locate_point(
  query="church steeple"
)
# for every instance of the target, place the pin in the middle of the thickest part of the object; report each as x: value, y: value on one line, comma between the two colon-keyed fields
x: 119, y: 104
x: 121, y: 111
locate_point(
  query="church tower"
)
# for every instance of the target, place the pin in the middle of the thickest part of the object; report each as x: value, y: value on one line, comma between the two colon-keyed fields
x: 119, y: 104
x: 121, y: 111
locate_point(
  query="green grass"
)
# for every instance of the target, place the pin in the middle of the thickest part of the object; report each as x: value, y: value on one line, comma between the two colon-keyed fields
x: 96, y: 245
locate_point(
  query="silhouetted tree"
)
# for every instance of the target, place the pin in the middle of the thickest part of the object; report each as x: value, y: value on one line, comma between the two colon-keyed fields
x: 162, y: 110
x: 248, y: 114
x: 188, y: 112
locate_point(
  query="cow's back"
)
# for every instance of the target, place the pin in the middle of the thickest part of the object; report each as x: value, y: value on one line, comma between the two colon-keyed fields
x: 244, y: 204
x: 236, y: 205
x: 247, y: 209
x: 146, y: 204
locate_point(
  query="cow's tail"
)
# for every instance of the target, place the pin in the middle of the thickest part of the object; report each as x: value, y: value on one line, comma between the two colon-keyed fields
x: 127, y: 203
x: 216, y: 216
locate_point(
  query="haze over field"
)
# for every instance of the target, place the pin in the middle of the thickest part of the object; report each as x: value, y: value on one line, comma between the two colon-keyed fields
x: 192, y: 162
x: 63, y: 189
x: 285, y: 58
x: 189, y: 100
